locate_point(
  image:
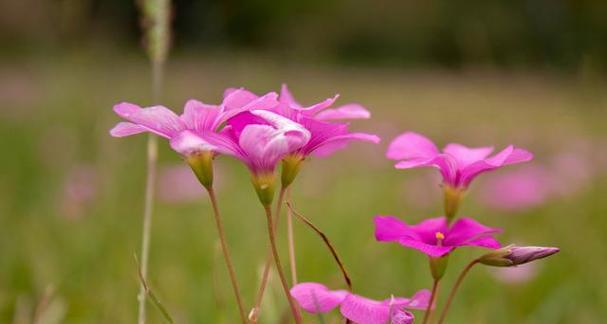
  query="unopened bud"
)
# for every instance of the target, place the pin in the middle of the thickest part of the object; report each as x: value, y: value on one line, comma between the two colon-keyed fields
x: 512, y: 255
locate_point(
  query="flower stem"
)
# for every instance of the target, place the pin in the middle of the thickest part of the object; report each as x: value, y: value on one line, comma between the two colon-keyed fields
x: 431, y: 302
x: 253, y: 315
x: 291, y: 240
x: 152, y: 155
x: 460, y: 278
x: 226, y: 253
x: 283, y: 280
x: 327, y: 242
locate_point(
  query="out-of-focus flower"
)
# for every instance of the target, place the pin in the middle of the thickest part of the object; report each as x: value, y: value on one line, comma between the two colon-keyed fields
x: 516, y: 275
x: 458, y: 164
x: 513, y: 255
x: 79, y: 191
x: 518, y: 189
x: 317, y: 298
x: 176, y: 185
x: 434, y: 236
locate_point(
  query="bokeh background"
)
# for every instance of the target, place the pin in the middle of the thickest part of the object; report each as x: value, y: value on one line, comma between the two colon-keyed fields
x: 531, y: 73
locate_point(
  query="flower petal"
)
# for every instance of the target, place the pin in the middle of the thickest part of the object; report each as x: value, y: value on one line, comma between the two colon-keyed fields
x: 287, y: 98
x: 509, y: 155
x: 390, y: 228
x: 428, y: 249
x: 156, y: 119
x: 316, y: 298
x: 199, y: 116
x: 186, y: 143
x: 362, y: 310
x: 411, y: 145
x: 420, y: 300
x: 466, y: 155
x: 123, y: 129
x: 427, y: 229
x: 467, y: 231
x: 348, y: 111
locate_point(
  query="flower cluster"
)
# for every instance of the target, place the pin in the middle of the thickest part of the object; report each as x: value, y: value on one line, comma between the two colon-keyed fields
x: 264, y: 131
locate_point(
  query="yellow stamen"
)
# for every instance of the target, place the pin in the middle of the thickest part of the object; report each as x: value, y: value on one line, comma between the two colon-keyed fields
x: 439, y: 238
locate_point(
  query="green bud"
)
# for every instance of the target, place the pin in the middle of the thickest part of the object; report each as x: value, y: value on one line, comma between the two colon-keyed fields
x: 202, y: 165
x: 264, y: 186
x: 290, y: 168
x: 438, y: 266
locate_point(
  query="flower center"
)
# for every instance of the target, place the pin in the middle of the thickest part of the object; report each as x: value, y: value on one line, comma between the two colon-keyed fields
x: 439, y: 238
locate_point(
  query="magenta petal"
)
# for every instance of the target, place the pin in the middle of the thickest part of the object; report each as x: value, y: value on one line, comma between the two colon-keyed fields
x: 428, y: 249
x: 362, y: 310
x: 348, y: 111
x: 389, y: 228
x: 157, y: 119
x: 126, y: 109
x: 509, y: 155
x: 187, y: 143
x: 465, y: 231
x: 339, y: 142
x: 237, y: 98
x: 199, y: 116
x: 420, y: 300
x: 287, y: 98
x: 316, y: 298
x: 316, y: 108
x: 427, y: 229
x: 123, y: 129
x: 400, y: 316
x: 411, y: 145
x: 466, y: 155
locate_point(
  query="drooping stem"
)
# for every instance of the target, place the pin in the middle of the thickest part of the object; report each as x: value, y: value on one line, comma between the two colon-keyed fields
x: 291, y: 240
x: 281, y: 275
x: 152, y: 154
x: 253, y: 315
x: 325, y: 239
x: 460, y: 278
x: 431, y: 302
x: 226, y: 253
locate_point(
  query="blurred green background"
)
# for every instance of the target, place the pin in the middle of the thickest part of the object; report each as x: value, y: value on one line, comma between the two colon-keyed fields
x: 529, y: 73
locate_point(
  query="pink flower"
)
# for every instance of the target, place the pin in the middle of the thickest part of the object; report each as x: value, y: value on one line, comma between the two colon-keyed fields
x: 458, y: 164
x: 326, y: 137
x: 261, y: 138
x: 518, y: 189
x: 434, y: 236
x: 196, y: 129
x: 317, y: 298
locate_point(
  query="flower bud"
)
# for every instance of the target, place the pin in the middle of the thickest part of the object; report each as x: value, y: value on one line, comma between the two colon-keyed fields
x: 290, y: 168
x: 202, y: 165
x: 264, y: 186
x: 512, y: 255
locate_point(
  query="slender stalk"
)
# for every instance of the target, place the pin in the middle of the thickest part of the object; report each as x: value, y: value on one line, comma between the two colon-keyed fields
x: 431, y: 303
x: 283, y: 280
x: 152, y: 155
x: 226, y: 253
x: 327, y: 242
x: 291, y: 240
x: 152, y: 296
x: 253, y: 315
x: 460, y: 278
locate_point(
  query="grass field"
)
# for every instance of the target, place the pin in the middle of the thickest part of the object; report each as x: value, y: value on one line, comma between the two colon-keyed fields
x: 71, y: 196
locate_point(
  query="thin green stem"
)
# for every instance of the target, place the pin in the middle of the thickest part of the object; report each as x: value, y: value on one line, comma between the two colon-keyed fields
x: 254, y: 314
x: 291, y: 240
x: 328, y: 243
x: 431, y: 302
x: 226, y: 254
x: 460, y: 278
x: 283, y: 280
x: 152, y: 156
